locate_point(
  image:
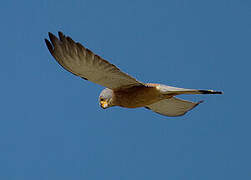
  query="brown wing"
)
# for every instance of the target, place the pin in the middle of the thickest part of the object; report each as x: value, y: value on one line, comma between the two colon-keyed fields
x: 82, y: 62
x: 173, y: 106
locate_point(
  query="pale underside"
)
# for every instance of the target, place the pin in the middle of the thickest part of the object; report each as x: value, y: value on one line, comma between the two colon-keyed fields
x: 172, y: 106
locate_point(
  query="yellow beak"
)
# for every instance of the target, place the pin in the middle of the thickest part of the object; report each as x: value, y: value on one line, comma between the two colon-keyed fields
x: 103, y: 104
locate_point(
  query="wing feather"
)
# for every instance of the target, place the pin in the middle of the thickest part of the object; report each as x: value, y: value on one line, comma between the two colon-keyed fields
x: 82, y: 62
x: 173, y: 106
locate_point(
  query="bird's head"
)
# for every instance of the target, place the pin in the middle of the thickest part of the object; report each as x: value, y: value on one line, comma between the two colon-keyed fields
x: 105, y: 98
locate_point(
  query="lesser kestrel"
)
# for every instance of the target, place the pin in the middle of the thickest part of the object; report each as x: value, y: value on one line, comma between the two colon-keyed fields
x: 121, y: 89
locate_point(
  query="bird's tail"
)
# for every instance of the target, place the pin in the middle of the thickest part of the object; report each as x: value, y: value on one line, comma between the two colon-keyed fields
x: 209, y: 92
x: 169, y: 90
x: 196, y: 91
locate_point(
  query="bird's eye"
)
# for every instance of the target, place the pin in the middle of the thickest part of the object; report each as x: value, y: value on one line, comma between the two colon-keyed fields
x: 101, y: 99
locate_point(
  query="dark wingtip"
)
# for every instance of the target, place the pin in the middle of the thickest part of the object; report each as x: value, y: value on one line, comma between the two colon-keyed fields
x: 49, y: 45
x: 198, y: 103
x: 53, y: 38
x: 61, y: 35
x: 210, y: 92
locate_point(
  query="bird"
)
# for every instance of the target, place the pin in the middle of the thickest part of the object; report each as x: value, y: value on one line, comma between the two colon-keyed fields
x: 121, y: 89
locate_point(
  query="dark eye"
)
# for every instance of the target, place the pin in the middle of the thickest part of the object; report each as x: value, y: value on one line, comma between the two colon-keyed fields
x: 101, y: 99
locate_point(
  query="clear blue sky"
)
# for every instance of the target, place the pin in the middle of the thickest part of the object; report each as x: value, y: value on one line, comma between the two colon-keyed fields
x: 51, y: 126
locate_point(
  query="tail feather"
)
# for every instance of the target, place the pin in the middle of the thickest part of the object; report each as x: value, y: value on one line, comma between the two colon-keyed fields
x: 210, y: 92
x: 194, y: 91
x: 169, y: 90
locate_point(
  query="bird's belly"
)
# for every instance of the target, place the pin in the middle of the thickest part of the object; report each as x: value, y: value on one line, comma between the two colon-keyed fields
x: 137, y: 97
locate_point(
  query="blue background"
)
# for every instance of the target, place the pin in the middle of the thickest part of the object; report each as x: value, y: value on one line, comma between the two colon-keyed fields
x: 51, y: 126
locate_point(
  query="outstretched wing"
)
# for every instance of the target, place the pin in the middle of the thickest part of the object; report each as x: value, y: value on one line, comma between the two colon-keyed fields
x: 82, y: 62
x: 172, y: 106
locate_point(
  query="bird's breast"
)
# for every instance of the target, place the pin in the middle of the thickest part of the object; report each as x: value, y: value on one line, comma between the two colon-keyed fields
x: 136, y: 97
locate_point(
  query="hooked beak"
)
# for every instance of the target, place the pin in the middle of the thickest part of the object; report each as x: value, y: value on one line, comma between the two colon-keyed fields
x: 104, y: 104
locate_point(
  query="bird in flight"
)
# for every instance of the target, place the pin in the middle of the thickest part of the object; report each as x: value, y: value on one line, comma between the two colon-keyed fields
x: 121, y: 89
